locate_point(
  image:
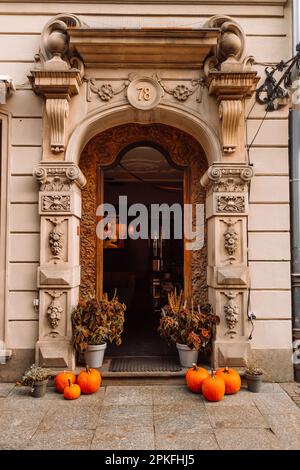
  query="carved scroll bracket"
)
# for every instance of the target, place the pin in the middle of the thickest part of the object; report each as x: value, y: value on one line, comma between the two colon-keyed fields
x: 57, y: 111
x: 230, y: 112
x: 57, y: 75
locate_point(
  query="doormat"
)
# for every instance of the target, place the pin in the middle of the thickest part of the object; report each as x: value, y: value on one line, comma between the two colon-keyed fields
x: 144, y: 364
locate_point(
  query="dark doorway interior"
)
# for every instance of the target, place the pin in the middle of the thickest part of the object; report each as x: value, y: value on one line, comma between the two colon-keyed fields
x: 143, y: 271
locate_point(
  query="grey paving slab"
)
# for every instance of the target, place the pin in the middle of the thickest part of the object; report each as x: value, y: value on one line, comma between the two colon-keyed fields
x: 248, y: 439
x: 18, y: 425
x: 269, y: 388
x: 242, y: 398
x: 71, y: 416
x: 291, y: 388
x: 59, y: 439
x: 141, y: 415
x: 131, y: 395
x: 166, y: 417
x: 287, y: 429
x: 204, y: 440
x: 22, y: 395
x: 124, y: 437
x: 178, y: 418
x: 236, y: 416
x: 6, y: 388
x: 275, y: 403
x: 174, y: 394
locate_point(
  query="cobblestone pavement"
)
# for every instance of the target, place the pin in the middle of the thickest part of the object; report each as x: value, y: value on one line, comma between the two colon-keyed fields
x: 164, y: 417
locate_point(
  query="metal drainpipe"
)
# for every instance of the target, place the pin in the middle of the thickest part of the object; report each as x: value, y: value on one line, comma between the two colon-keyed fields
x: 294, y: 155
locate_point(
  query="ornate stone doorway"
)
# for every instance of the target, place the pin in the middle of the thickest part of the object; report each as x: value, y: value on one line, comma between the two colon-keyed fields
x: 101, y: 152
x: 204, y: 100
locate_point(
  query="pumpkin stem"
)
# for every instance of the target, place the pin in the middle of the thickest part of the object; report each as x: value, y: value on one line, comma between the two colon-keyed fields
x: 69, y: 382
x: 87, y: 369
x: 195, y: 367
x: 213, y: 373
x: 226, y: 369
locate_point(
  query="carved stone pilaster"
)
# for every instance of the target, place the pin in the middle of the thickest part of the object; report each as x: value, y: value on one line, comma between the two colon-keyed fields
x: 60, y: 209
x: 227, y: 187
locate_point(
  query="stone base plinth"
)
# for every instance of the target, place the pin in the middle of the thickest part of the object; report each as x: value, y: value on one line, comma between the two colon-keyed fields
x: 55, y: 354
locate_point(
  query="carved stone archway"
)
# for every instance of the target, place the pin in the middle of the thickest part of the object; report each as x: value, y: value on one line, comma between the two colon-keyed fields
x: 102, y: 151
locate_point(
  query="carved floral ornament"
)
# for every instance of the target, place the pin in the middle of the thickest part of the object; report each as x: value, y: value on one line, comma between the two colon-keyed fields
x: 56, y: 203
x: 231, y: 204
x: 145, y: 93
x: 231, y: 238
x: 231, y: 312
x: 55, y: 309
x: 56, y: 238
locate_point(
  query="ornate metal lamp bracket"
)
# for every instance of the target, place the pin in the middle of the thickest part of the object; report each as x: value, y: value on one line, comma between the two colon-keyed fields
x: 271, y: 93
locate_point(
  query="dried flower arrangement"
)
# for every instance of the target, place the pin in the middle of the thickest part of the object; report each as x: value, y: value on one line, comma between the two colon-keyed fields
x: 253, y: 369
x: 96, y: 321
x: 182, y: 322
x: 35, y: 374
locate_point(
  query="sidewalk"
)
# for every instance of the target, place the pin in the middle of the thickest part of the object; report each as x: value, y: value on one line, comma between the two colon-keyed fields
x: 164, y: 417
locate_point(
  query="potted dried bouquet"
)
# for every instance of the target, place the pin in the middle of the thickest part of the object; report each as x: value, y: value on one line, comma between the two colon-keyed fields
x: 37, y: 378
x: 253, y: 376
x: 95, y: 322
x: 190, y: 327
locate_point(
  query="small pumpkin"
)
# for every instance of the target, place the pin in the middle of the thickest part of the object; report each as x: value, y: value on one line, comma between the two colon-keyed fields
x: 231, y: 379
x: 213, y: 388
x: 72, y: 391
x: 61, y: 380
x: 89, y: 380
x: 194, y: 378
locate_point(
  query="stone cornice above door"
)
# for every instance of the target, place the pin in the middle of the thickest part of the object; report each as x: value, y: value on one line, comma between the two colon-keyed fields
x: 143, y: 48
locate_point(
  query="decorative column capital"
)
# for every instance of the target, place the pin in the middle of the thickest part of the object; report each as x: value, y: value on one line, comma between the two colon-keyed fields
x: 232, y: 178
x: 59, y: 177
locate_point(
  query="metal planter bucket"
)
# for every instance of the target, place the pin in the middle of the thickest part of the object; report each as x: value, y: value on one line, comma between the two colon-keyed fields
x: 94, y: 355
x: 187, y: 356
x: 39, y: 389
x: 253, y: 382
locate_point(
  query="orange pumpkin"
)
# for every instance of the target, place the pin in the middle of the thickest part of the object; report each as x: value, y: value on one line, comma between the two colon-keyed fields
x: 61, y: 380
x: 72, y: 391
x: 213, y: 388
x: 231, y: 379
x: 89, y: 380
x: 194, y: 378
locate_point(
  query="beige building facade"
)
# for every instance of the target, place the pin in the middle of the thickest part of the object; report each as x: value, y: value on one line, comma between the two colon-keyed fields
x: 123, y: 72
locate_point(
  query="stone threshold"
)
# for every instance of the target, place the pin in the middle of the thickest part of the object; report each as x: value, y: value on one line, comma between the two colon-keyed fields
x: 140, y: 378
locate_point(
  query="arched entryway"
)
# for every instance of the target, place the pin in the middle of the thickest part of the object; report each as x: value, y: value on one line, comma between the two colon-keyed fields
x: 101, y: 161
